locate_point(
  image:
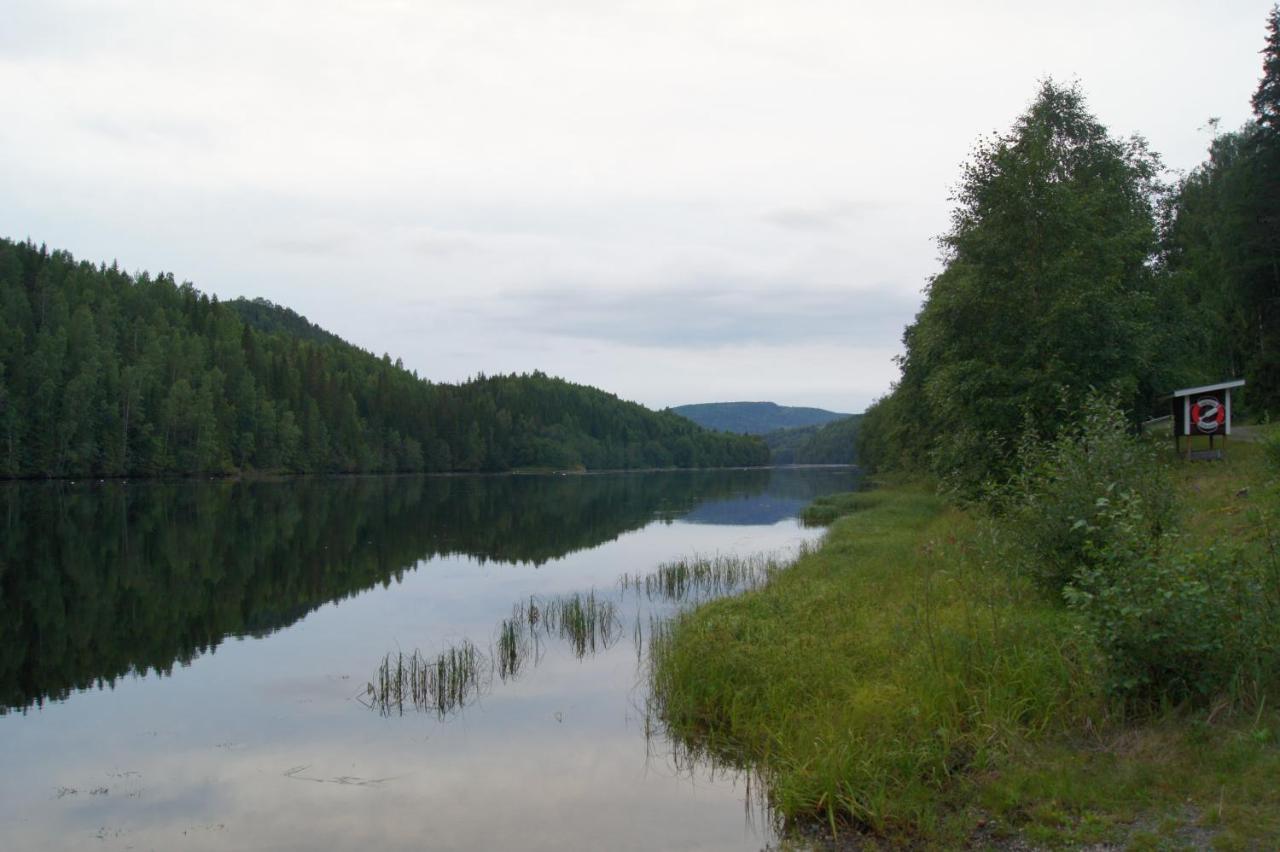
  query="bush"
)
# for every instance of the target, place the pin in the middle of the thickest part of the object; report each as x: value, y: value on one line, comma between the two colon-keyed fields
x: 1271, y: 448
x: 1058, y: 507
x: 1091, y: 517
x: 1174, y: 624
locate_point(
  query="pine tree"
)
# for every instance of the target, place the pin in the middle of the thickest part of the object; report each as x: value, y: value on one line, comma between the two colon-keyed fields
x: 1266, y: 100
x: 1262, y: 284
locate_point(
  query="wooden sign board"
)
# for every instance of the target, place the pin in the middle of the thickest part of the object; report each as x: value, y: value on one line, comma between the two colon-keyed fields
x: 1206, y: 413
x: 1204, y: 410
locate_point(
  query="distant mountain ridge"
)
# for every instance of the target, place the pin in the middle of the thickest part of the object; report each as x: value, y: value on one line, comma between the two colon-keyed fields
x: 754, y: 418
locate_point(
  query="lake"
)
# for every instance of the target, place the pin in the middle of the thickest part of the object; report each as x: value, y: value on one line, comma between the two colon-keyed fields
x: 225, y: 665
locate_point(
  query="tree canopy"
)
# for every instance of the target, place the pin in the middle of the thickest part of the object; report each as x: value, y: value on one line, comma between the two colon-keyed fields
x: 1221, y: 248
x: 1071, y: 269
x: 1046, y: 293
x: 105, y: 373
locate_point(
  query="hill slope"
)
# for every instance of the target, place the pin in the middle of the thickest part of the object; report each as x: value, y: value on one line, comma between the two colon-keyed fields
x: 831, y: 443
x: 267, y: 316
x: 754, y: 418
x: 103, y: 373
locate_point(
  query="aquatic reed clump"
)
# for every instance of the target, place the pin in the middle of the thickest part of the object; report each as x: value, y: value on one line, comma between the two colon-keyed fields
x: 518, y: 640
x: 586, y: 622
x: 463, y: 673
x: 445, y: 684
x: 700, y: 578
x: 510, y: 653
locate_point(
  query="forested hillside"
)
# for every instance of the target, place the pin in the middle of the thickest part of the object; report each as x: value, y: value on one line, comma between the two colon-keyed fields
x: 1073, y: 267
x: 105, y: 373
x: 831, y: 443
x: 754, y: 418
x: 264, y: 315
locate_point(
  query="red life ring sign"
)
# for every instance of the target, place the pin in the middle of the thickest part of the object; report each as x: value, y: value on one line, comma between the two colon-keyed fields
x: 1207, y: 415
x: 1204, y: 410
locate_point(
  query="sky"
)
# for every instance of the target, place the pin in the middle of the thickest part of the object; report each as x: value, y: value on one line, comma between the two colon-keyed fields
x: 677, y: 202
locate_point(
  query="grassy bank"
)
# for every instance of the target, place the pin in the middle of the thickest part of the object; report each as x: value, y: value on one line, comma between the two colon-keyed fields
x: 903, y: 684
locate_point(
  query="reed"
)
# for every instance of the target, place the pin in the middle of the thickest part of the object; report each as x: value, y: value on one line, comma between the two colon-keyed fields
x: 587, y: 623
x: 444, y: 684
x: 701, y: 578
x: 519, y: 641
x: 511, y: 650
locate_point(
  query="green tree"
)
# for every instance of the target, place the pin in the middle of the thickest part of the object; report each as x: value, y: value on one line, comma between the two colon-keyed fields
x: 1221, y: 249
x: 1266, y: 99
x: 1261, y: 281
x: 1047, y: 291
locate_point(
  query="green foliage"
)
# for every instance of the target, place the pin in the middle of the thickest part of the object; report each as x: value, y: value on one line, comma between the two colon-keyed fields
x: 909, y: 679
x: 1203, y: 257
x: 1266, y: 99
x: 783, y: 443
x: 824, y: 510
x: 864, y: 681
x: 1047, y: 293
x: 1058, y: 506
x: 1091, y: 515
x: 102, y: 373
x: 1056, y: 286
x: 1174, y: 623
x: 1221, y: 248
x: 894, y: 433
x: 1271, y: 447
x: 266, y: 316
x: 830, y: 443
x: 1218, y: 257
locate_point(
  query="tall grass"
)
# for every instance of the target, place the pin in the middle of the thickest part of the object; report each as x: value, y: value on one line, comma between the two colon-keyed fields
x: 874, y: 670
x: 515, y: 646
x: 1095, y: 520
x: 444, y: 684
x: 585, y: 622
x: 923, y: 650
x: 700, y: 578
x: 463, y: 673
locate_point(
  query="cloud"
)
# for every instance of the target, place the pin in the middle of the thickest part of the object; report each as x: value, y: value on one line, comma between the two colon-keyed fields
x: 50, y: 29
x: 148, y: 131
x: 497, y: 186
x: 307, y: 245
x: 709, y: 316
x: 827, y: 217
x: 443, y: 245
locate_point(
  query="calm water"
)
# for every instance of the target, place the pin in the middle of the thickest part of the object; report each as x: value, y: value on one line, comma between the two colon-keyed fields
x: 185, y: 666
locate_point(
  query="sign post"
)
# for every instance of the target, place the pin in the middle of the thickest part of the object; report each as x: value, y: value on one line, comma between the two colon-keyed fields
x: 1204, y: 410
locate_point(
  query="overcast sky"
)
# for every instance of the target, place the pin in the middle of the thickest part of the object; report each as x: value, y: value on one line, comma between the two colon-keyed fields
x: 674, y: 201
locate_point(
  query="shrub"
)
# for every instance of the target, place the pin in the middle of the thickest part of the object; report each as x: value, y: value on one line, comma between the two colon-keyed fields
x: 1058, y: 506
x: 1271, y: 448
x: 1091, y: 517
x: 1175, y: 624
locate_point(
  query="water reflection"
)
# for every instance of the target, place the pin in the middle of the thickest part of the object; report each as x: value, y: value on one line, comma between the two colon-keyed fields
x: 263, y: 742
x: 583, y: 622
x: 100, y: 581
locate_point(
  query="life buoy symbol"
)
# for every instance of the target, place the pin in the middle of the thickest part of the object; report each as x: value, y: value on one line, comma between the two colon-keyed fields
x: 1208, y: 414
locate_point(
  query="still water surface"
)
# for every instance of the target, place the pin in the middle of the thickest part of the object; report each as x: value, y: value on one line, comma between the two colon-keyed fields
x: 185, y: 666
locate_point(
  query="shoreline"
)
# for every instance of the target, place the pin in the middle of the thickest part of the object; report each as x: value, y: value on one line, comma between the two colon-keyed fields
x: 896, y: 687
x: 260, y: 476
